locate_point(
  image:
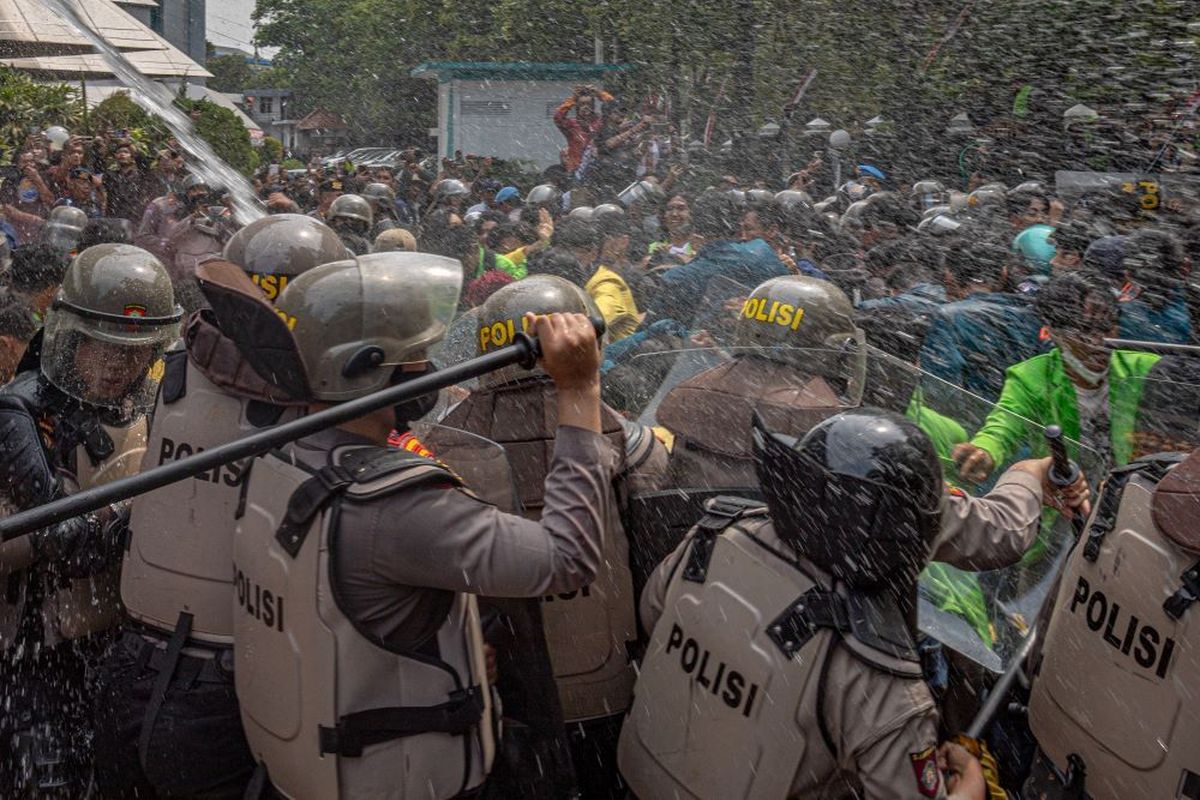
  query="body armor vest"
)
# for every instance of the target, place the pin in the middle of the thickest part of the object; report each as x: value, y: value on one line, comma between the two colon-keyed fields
x: 90, y: 605
x: 181, y: 536
x: 587, y: 631
x: 745, y: 633
x: 710, y: 415
x: 330, y: 712
x: 1126, y: 607
x: 83, y: 451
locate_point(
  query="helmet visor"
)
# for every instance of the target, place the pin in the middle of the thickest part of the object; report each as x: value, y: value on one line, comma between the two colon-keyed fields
x: 96, y: 363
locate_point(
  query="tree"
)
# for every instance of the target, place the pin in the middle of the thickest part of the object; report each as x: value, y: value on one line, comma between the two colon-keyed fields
x: 28, y: 107
x: 272, y: 150
x: 915, y: 61
x: 230, y: 73
x: 222, y: 129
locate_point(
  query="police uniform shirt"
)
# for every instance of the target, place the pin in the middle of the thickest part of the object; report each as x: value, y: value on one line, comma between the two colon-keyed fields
x: 389, y: 552
x: 883, y: 726
x: 993, y: 531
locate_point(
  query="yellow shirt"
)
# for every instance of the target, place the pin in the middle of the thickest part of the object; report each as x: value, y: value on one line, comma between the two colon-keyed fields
x: 612, y: 296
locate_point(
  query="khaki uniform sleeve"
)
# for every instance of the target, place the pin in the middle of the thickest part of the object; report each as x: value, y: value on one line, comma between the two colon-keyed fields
x: 450, y: 540
x: 993, y: 531
x: 885, y: 728
x: 650, y: 608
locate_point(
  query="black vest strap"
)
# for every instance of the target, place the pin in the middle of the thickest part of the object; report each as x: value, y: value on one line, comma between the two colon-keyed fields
x: 457, y: 716
x: 815, y: 609
x: 719, y: 514
x: 1105, y: 519
x: 360, y: 465
x: 306, y: 502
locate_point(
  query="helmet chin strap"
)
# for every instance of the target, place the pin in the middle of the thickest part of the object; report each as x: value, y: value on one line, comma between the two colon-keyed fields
x: 1089, y: 376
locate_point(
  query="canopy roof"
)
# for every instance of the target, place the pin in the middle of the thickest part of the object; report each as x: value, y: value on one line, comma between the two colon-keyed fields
x: 34, y: 38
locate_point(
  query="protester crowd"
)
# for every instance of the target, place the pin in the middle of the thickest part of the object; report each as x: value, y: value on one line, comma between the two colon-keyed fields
x: 1043, y: 301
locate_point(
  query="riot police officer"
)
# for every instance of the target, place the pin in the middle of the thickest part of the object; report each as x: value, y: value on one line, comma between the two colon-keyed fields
x: 797, y: 349
x: 383, y: 202
x: 351, y: 217
x: 1126, y: 604
x: 782, y: 661
x: 75, y: 423
x: 166, y: 711
x: 588, y: 633
x: 275, y: 249
x: 64, y: 227
x: 364, y: 676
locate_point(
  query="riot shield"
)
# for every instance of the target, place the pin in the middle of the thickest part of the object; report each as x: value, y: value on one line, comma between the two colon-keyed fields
x: 706, y: 404
x: 460, y: 344
x: 1125, y: 607
x: 481, y: 463
x: 533, y: 759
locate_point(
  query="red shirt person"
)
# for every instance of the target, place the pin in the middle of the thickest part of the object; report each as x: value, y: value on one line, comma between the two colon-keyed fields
x: 579, y: 129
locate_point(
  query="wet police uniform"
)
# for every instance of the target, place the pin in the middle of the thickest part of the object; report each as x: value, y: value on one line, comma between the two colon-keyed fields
x: 399, y: 565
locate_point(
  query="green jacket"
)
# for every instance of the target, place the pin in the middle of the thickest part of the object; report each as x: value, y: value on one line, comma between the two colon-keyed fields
x: 943, y: 431
x: 1038, y: 390
x: 503, y: 264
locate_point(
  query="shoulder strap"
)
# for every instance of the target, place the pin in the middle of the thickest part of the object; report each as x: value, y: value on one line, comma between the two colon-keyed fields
x: 719, y: 513
x: 817, y: 608
x: 1105, y: 518
x: 353, y: 467
x: 174, y: 382
x: 870, y: 620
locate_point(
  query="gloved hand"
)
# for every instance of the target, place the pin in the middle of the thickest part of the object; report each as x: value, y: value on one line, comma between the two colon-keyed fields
x: 85, y: 545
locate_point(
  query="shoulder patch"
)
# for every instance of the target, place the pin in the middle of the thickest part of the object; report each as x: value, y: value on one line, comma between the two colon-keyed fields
x: 925, y: 768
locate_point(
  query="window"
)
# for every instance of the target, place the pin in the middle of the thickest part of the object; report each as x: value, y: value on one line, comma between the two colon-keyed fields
x: 486, y: 108
x: 266, y: 105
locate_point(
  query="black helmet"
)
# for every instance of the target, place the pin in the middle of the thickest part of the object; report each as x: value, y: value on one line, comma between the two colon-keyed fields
x: 859, y: 495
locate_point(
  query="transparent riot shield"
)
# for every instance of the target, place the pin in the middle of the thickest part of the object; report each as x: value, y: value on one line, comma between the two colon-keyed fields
x: 535, y: 745
x: 1125, y: 607
x: 460, y: 344
x: 480, y: 462
x: 707, y: 401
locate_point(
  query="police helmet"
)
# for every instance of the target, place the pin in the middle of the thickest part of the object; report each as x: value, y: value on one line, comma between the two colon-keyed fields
x: 274, y: 249
x: 929, y: 193
x: 607, y: 211
x: 394, y: 239
x: 64, y: 227
x: 380, y: 194
x: 859, y: 495
x: 355, y: 321
x: 56, y: 137
x: 353, y: 207
x: 990, y: 196
x: 502, y: 315
x: 809, y: 323
x: 192, y: 181
x: 545, y: 194
x: 108, y: 326
x: 586, y: 213
x: 450, y: 189
x: 789, y: 198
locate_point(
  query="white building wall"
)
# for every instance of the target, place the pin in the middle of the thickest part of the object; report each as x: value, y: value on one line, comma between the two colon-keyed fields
x: 505, y: 119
